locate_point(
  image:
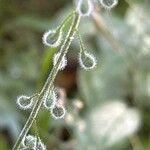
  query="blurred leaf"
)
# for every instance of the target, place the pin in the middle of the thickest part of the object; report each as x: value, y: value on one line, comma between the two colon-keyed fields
x: 9, y: 119
x: 46, y: 65
x: 42, y: 125
x: 108, y: 81
x: 3, y: 144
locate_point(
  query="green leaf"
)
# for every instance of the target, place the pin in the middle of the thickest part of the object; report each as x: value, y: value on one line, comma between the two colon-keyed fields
x: 3, y: 143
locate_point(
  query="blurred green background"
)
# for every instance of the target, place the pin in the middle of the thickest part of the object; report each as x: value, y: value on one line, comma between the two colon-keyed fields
x: 122, y: 48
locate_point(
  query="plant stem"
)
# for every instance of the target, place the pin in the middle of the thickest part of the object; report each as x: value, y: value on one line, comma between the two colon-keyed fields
x: 49, y: 82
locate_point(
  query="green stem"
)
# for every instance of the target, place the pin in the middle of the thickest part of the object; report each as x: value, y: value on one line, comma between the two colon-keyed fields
x: 49, y: 82
x: 82, y: 48
x: 66, y: 20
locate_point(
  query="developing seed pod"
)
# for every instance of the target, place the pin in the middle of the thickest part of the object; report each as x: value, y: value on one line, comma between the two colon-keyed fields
x: 108, y: 4
x: 58, y: 112
x: 50, y: 100
x: 32, y: 142
x: 39, y: 145
x: 87, y: 61
x: 81, y: 4
x: 52, y: 38
x: 25, y: 102
x: 63, y: 63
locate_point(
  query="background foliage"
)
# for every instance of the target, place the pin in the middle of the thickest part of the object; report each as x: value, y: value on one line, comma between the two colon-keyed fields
x: 25, y: 64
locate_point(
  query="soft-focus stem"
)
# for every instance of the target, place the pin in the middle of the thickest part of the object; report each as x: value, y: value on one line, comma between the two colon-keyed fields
x: 49, y: 82
x: 135, y: 142
x: 103, y: 29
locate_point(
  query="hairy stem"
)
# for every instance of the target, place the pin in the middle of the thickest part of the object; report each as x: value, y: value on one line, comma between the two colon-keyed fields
x: 49, y: 82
